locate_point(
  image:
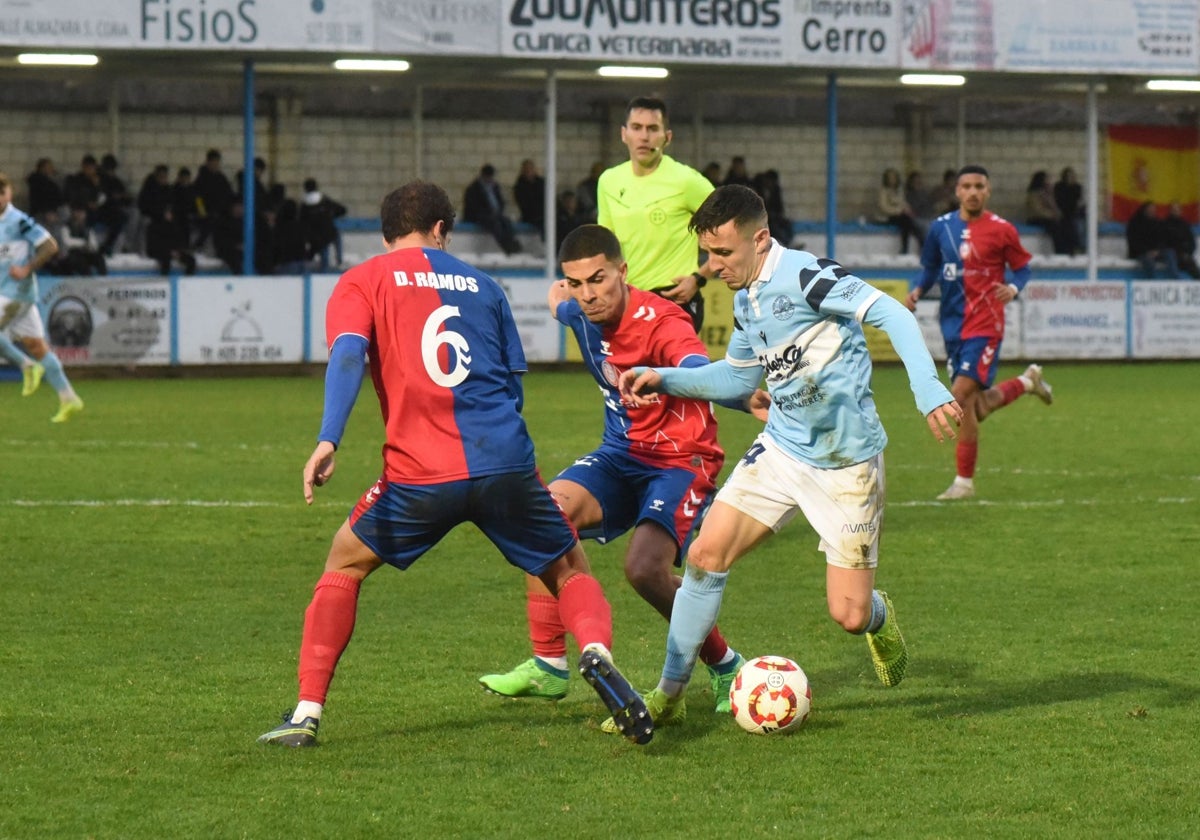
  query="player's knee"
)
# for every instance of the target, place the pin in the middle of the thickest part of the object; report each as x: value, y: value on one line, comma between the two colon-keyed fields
x: 708, y: 557
x: 644, y: 572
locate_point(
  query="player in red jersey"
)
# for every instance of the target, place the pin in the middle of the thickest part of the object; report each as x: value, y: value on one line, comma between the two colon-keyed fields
x: 966, y: 251
x: 446, y: 361
x: 655, y: 469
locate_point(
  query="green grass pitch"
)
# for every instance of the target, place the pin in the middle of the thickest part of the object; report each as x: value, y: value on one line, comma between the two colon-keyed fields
x: 158, y: 557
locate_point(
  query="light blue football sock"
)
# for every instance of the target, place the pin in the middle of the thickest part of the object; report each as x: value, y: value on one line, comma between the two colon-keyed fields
x: 10, y: 351
x: 693, y: 617
x: 878, y: 614
x: 57, y: 377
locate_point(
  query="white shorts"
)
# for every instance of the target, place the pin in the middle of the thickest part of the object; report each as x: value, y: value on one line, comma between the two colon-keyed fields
x: 21, y: 319
x: 844, y: 506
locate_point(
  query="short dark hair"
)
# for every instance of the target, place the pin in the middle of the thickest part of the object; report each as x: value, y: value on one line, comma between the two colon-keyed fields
x: 310, y: 184
x: 972, y: 169
x: 732, y: 202
x: 487, y: 170
x: 415, y: 207
x: 212, y: 154
x: 588, y: 241
x: 648, y: 103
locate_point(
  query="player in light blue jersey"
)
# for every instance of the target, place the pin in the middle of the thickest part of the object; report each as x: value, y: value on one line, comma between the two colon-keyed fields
x: 25, y: 246
x: 798, y: 324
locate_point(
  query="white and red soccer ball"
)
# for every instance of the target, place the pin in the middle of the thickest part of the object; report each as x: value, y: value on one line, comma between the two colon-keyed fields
x: 770, y: 694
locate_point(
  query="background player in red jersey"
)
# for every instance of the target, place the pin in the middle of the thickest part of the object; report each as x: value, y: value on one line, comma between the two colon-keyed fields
x: 966, y: 252
x: 655, y: 469
x: 446, y: 361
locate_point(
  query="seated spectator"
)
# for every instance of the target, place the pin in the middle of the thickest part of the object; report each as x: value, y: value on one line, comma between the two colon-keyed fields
x: 568, y: 216
x: 529, y: 190
x: 1068, y: 198
x: 1041, y: 210
x: 1181, y: 238
x: 712, y: 172
x: 1146, y: 238
x: 737, y: 173
x: 291, y: 240
x: 167, y: 244
x: 228, y: 237
x: 79, y: 252
x: 892, y: 209
x: 116, y: 211
x: 919, y: 199
x: 586, y: 191
x: 944, y: 196
x: 483, y: 205
x: 45, y: 195
x: 766, y: 184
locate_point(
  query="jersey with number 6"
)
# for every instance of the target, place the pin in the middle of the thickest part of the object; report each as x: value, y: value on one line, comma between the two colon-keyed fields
x: 446, y: 360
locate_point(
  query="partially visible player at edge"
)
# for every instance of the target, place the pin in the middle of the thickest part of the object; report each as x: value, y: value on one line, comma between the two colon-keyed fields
x: 647, y: 202
x: 966, y: 252
x: 446, y: 361
x: 798, y: 323
x: 655, y: 470
x: 26, y: 246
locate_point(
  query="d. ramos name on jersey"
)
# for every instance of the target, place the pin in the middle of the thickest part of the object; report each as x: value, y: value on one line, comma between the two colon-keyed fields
x: 437, y: 280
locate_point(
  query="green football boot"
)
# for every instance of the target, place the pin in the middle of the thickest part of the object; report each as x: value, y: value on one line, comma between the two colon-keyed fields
x: 721, y: 678
x: 663, y: 711
x: 888, y: 651
x: 532, y: 678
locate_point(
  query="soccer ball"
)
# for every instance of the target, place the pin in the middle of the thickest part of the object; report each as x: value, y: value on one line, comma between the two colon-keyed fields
x: 769, y: 695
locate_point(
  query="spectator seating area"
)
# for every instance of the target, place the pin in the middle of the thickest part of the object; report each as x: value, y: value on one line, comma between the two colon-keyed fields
x: 864, y: 247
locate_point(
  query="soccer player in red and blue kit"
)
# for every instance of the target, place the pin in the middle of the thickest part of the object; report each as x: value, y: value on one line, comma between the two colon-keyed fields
x: 655, y: 469
x: 446, y: 361
x: 966, y: 252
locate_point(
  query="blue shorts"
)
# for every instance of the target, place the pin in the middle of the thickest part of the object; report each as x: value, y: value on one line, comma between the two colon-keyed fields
x: 400, y: 522
x: 975, y: 358
x: 631, y: 492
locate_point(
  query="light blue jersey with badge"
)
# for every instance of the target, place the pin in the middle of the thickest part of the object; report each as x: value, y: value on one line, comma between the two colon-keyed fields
x: 799, y: 326
x: 19, y: 237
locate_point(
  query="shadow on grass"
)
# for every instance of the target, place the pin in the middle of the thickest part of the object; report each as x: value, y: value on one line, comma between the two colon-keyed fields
x: 969, y: 696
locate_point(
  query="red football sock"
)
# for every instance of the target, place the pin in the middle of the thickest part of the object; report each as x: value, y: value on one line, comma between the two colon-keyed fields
x: 1010, y: 389
x: 584, y: 611
x: 965, y: 454
x: 714, y: 648
x: 328, y: 624
x: 546, y: 629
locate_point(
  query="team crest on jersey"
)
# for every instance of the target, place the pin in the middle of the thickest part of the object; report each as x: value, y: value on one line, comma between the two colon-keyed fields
x: 658, y: 216
x: 783, y: 308
x: 964, y: 245
x: 611, y: 374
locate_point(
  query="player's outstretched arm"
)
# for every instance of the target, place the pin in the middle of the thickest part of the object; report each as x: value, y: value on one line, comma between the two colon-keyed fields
x: 638, y: 384
x: 943, y: 420
x: 319, y: 469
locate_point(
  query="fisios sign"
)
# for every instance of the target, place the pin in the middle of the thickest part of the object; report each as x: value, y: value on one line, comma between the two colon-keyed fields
x: 189, y: 24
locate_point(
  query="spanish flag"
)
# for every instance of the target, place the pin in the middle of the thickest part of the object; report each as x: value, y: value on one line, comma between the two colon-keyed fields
x: 1154, y: 163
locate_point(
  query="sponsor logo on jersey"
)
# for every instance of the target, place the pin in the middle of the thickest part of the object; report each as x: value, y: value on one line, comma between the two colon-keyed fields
x: 782, y: 364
